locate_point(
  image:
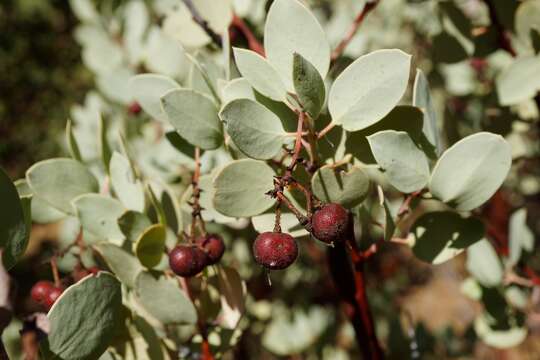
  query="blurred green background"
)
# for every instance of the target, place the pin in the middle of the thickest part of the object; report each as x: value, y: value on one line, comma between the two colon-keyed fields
x: 41, y: 76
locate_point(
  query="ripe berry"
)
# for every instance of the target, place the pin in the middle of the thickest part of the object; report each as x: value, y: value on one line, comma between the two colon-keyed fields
x: 187, y: 260
x: 330, y: 223
x: 40, y: 290
x: 134, y: 108
x: 52, y: 296
x: 213, y: 246
x: 275, y: 251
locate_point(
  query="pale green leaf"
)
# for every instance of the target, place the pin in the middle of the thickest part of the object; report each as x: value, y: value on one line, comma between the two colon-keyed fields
x: 237, y: 89
x: 291, y: 28
x: 73, y: 147
x: 58, y: 181
x: 369, y: 88
x: 162, y: 297
x: 260, y: 74
x: 42, y: 212
x: 389, y: 224
x: 405, y: 165
x: 469, y: 173
x: 484, y: 264
x: 289, y: 224
x: 122, y: 263
x: 147, y: 89
x: 422, y: 99
x: 194, y: 116
x: 254, y: 129
x: 521, y: 237
x: 84, y: 318
x: 98, y: 214
x: 133, y: 223
x: 348, y: 188
x: 309, y: 86
x: 241, y: 188
x: 520, y: 81
x: 126, y: 186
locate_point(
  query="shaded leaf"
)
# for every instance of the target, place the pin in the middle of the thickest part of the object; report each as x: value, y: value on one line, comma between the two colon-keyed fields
x: 348, y: 188
x: 309, y: 85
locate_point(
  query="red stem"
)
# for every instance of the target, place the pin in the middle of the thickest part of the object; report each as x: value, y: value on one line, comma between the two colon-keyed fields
x: 353, y: 29
x: 347, y: 269
x: 253, y: 43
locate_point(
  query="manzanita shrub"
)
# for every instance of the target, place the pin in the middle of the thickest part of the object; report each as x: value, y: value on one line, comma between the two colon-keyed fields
x: 330, y: 149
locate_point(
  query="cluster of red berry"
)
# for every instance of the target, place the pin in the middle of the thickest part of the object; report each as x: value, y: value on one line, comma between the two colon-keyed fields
x: 189, y: 260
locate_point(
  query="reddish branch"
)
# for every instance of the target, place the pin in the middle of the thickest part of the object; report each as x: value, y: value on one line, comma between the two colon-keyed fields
x: 252, y: 41
x: 195, y: 200
x: 347, y: 270
x: 353, y: 29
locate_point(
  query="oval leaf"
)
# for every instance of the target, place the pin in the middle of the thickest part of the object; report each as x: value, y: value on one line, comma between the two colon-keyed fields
x: 346, y: 188
x: 241, y: 188
x: 83, y: 320
x: 98, y: 214
x: 369, y: 88
x: 422, y: 99
x: 291, y: 28
x: 162, y: 298
x: 469, y: 173
x: 309, y: 85
x: 150, y: 246
x: 127, y: 188
x: 260, y: 74
x: 194, y: 116
x: 122, y: 263
x: 256, y: 131
x: 147, y: 89
x: 41, y: 211
x: 484, y: 264
x: 59, y: 181
x: 405, y: 166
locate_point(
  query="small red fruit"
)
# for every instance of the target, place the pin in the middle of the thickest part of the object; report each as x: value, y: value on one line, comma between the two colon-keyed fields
x: 275, y: 251
x: 187, y: 260
x: 40, y: 290
x: 134, y: 108
x: 213, y: 246
x: 330, y: 223
x: 51, y: 297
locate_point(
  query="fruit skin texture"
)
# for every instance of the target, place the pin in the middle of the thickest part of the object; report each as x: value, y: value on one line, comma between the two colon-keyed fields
x: 213, y: 246
x: 51, y: 297
x: 330, y: 223
x: 275, y: 251
x: 187, y: 260
x: 40, y: 290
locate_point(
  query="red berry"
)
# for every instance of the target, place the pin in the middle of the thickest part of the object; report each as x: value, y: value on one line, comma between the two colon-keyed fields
x: 275, y: 251
x: 213, y: 246
x: 330, y: 223
x: 51, y: 297
x: 187, y: 260
x: 40, y: 290
x: 134, y: 108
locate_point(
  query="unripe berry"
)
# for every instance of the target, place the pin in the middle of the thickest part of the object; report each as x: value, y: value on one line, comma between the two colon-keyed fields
x: 275, y: 251
x: 213, y: 246
x: 51, y: 297
x: 187, y: 260
x: 40, y: 290
x: 330, y: 223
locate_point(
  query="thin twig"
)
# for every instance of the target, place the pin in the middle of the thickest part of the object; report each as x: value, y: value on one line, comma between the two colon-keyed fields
x: 253, y: 43
x: 353, y: 29
x: 216, y: 38
x: 326, y: 130
x: 195, y: 204
x: 54, y: 268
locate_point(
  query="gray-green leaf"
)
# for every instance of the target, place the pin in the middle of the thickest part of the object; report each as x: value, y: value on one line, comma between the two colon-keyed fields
x: 422, y: 99
x: 122, y: 263
x: 348, y: 188
x: 126, y: 186
x: 84, y: 318
x: 194, y: 116
x: 309, y: 85
x: 58, y: 181
x: 241, y: 188
x: 469, y: 173
x: 369, y: 88
x: 147, y: 89
x: 256, y: 131
x: 484, y: 264
x: 405, y: 166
